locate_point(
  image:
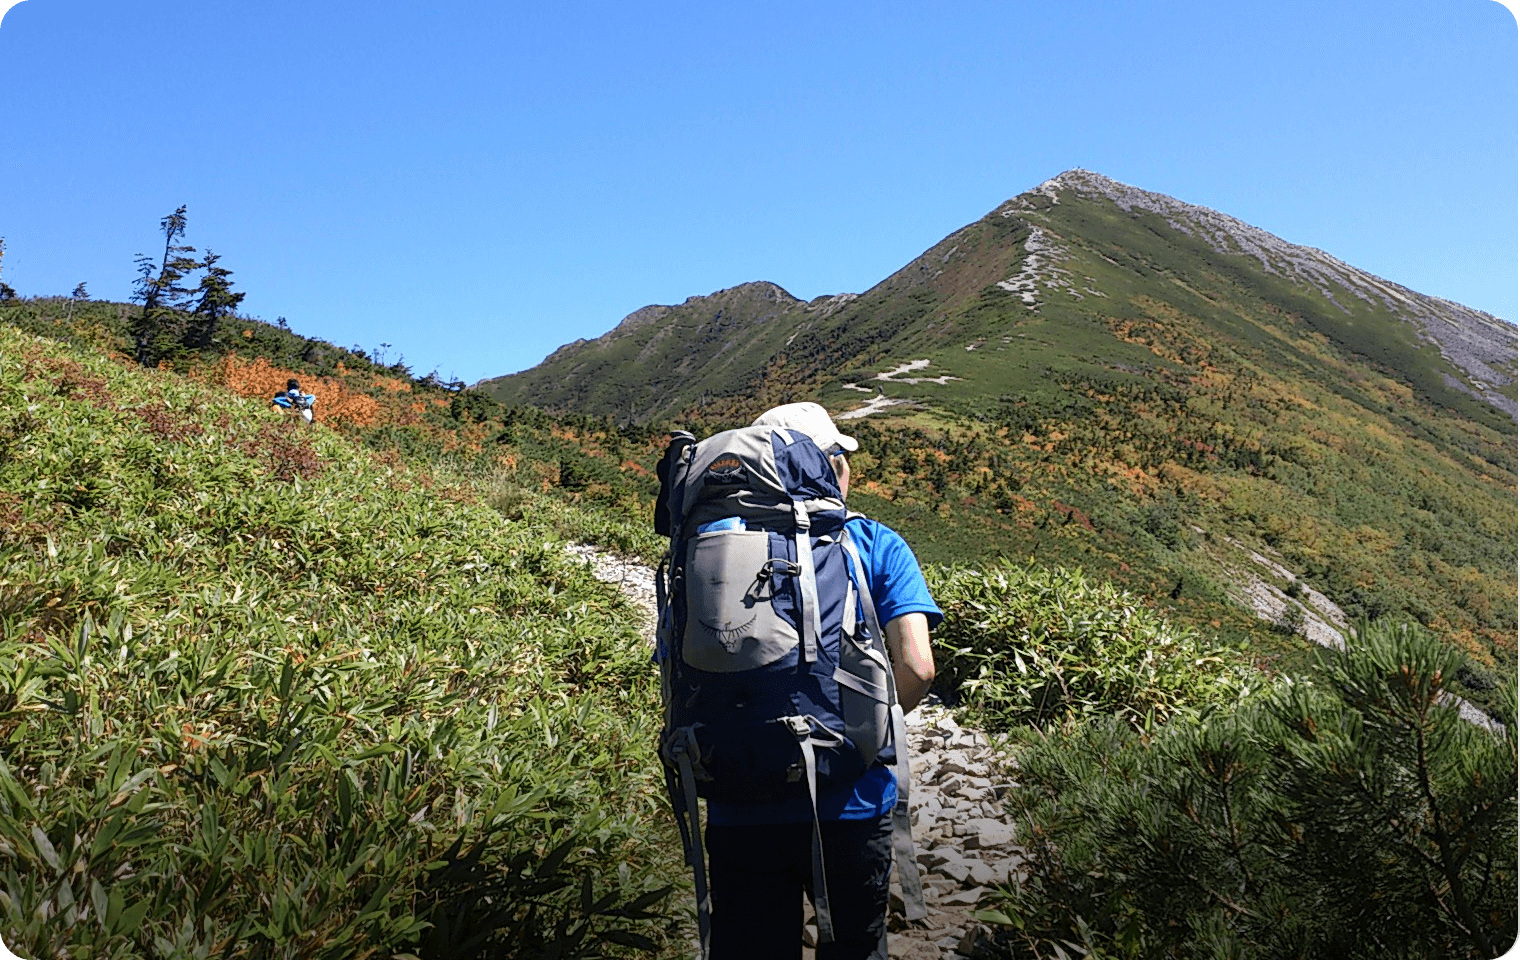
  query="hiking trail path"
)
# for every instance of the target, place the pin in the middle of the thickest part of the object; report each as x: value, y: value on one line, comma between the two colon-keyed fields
x: 963, y: 838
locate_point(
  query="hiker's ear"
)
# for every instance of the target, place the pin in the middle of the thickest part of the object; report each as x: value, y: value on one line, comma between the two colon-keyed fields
x: 841, y: 467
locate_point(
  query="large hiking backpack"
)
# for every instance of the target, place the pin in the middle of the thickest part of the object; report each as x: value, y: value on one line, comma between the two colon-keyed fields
x: 774, y: 672
x: 296, y: 401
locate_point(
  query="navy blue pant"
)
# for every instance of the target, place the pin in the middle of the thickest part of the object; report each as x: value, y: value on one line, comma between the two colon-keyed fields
x: 759, y: 874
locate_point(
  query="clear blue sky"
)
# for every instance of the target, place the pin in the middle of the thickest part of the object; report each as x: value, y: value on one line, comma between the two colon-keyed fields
x: 477, y: 183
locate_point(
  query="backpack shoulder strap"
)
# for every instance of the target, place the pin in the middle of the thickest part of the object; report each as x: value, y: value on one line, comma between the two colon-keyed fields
x: 902, y: 827
x: 665, y: 510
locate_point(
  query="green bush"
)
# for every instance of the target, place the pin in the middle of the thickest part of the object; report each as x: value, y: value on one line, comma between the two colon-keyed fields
x: 262, y: 696
x: 1353, y: 814
x: 625, y: 527
x: 1023, y: 644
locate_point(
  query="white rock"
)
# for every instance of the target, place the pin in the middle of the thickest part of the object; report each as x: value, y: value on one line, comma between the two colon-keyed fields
x: 932, y: 858
x: 969, y: 896
x: 939, y: 890
x: 988, y: 832
x: 957, y: 870
x: 985, y: 874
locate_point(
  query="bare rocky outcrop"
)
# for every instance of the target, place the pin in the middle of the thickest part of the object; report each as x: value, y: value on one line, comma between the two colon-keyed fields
x: 1312, y: 614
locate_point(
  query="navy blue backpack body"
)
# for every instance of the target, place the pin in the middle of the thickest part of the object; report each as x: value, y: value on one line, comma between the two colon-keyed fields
x: 775, y: 678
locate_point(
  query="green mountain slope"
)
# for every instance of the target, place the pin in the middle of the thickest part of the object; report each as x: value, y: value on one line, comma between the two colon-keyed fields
x: 270, y: 692
x: 1109, y: 377
x: 1057, y: 268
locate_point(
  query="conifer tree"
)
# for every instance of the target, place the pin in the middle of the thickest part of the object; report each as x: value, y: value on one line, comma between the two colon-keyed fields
x: 162, y: 296
x: 216, y: 301
x: 80, y: 293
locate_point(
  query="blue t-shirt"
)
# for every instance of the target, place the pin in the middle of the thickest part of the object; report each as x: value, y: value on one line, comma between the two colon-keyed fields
x: 897, y: 587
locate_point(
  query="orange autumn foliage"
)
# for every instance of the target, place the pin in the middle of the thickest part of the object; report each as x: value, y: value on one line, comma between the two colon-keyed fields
x: 260, y: 379
x: 393, y: 385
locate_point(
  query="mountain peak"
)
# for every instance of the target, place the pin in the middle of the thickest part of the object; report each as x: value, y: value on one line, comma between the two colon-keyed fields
x: 1077, y: 250
x: 1479, y: 343
x: 1079, y: 179
x: 754, y: 290
x: 762, y: 289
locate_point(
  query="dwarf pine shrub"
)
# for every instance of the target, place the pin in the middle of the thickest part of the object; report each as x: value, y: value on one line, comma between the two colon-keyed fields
x: 1351, y: 814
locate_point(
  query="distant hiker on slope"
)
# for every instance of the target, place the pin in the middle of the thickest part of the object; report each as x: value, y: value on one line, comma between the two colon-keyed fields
x: 793, y: 636
x: 293, y: 399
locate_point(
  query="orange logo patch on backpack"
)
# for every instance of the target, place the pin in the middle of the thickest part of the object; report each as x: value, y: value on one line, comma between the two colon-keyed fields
x: 727, y: 469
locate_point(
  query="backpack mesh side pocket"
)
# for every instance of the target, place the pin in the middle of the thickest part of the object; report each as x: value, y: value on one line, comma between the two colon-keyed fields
x: 731, y: 623
x: 864, y: 695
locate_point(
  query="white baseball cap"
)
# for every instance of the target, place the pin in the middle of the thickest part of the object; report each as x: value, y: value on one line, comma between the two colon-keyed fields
x: 808, y: 418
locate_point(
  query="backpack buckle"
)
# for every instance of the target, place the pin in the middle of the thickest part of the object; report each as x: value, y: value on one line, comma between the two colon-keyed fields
x: 777, y: 565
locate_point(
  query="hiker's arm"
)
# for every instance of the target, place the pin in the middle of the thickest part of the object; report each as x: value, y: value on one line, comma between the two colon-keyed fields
x: 912, y: 657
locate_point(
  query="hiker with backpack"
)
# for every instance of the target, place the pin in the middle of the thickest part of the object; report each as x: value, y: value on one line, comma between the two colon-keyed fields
x: 293, y: 399
x: 793, y: 637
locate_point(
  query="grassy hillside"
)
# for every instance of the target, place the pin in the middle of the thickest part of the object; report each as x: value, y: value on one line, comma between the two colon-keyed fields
x: 335, y: 691
x: 537, y: 462
x: 266, y: 692
x: 710, y: 340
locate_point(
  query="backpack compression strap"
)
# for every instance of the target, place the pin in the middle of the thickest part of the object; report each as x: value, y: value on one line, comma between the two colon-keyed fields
x: 902, y: 827
x: 688, y: 821
x: 680, y: 776
x: 807, y: 580
x: 804, y: 730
